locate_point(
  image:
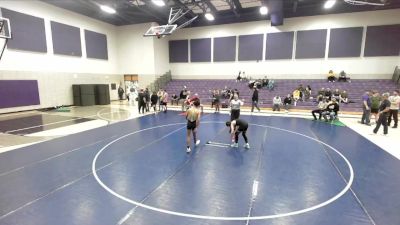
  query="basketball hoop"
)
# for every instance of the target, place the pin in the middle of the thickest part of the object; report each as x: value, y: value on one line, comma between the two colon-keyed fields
x: 5, y: 33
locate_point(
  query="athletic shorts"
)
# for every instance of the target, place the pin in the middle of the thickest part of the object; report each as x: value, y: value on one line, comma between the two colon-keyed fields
x: 241, y: 129
x: 374, y: 110
x: 163, y: 103
x: 191, y: 125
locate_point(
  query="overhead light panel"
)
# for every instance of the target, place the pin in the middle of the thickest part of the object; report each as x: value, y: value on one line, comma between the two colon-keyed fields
x: 263, y: 10
x: 329, y: 4
x: 107, y: 9
x: 209, y: 16
x: 158, y: 2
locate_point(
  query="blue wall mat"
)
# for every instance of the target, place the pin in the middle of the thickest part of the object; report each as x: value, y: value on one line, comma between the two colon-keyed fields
x: 382, y: 40
x: 178, y: 51
x: 311, y: 44
x: 225, y: 49
x: 14, y: 93
x: 345, y: 42
x: 279, y: 45
x: 251, y: 47
x: 66, y: 39
x: 96, y: 45
x: 28, y: 32
x: 200, y: 50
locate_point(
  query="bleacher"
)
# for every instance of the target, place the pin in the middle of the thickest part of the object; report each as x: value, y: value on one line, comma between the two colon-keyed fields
x: 355, y: 90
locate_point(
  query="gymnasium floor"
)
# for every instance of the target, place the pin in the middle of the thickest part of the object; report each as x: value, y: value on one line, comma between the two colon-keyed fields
x: 136, y: 171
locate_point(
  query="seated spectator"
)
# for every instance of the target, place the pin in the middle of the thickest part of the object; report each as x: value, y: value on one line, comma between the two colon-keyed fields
x: 321, y: 92
x: 277, y: 102
x: 271, y: 85
x: 331, y: 110
x: 239, y: 78
x: 287, y: 102
x: 328, y: 94
x: 344, y: 97
x: 343, y: 77
x: 320, y: 109
x: 302, y: 90
x: 296, y: 96
x: 331, y: 76
x: 265, y: 82
x: 308, y: 92
x: 336, y: 95
x: 320, y: 98
x: 174, y: 98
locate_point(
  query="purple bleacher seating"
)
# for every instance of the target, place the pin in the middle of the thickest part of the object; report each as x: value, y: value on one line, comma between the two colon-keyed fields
x: 355, y: 90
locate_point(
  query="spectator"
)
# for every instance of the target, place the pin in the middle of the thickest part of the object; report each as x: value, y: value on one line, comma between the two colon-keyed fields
x: 383, y: 114
x: 141, y: 101
x: 331, y: 110
x: 239, y: 78
x: 320, y: 98
x: 287, y: 102
x: 120, y: 92
x: 296, y: 96
x: 183, y: 96
x: 212, y: 98
x: 336, y: 95
x: 321, y: 92
x: 254, y: 100
x: 375, y: 102
x: 328, y: 94
x: 344, y: 97
x: 331, y: 76
x: 277, y: 102
x: 271, y: 85
x: 343, y: 77
x: 308, y: 92
x: 321, y: 108
x: 160, y: 93
x: 154, y: 99
x: 394, y: 108
x: 302, y: 90
x: 217, y: 100
x: 366, y: 100
x: 164, y: 101
x: 147, y: 97
x: 265, y: 82
x: 174, y: 98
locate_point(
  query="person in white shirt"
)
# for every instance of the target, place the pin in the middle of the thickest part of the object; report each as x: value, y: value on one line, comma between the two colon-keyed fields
x: 394, y: 108
x: 277, y: 102
x: 235, y: 107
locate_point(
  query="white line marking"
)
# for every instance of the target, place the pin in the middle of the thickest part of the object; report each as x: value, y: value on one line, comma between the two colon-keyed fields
x: 217, y: 143
x: 126, y: 217
x: 220, y: 146
x: 42, y: 125
x: 327, y: 202
x: 255, y: 189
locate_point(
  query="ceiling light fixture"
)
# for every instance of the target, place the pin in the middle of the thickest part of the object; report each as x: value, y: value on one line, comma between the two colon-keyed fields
x: 329, y: 4
x: 209, y: 16
x: 107, y: 9
x: 263, y: 10
x: 158, y: 2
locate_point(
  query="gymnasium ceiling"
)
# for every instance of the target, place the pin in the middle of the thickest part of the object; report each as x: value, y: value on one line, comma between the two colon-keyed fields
x: 224, y: 11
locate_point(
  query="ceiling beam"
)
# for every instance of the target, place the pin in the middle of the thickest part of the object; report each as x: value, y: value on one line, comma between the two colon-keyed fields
x: 237, y: 4
x: 211, y: 6
x: 185, y: 7
x: 233, y: 7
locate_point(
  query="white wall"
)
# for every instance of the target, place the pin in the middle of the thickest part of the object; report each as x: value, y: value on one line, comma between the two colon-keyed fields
x: 369, y: 67
x: 55, y: 73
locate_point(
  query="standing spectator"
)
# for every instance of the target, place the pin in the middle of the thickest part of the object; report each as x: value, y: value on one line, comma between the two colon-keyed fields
x: 174, y: 98
x: 296, y: 96
x: 366, y: 100
x: 331, y: 76
x: 217, y: 100
x: 375, y: 102
x: 120, y: 92
x: 302, y: 90
x: 254, y: 100
x: 344, y: 97
x: 239, y: 78
x: 154, y: 99
x: 235, y: 107
x: 183, y: 96
x: 383, y: 113
x: 164, y: 101
x: 277, y: 102
x: 287, y: 102
x: 394, y: 108
x: 147, y: 96
x: 141, y: 101
x: 321, y: 108
x: 308, y: 92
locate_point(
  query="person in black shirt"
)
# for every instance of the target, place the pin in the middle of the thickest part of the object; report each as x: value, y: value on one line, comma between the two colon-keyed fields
x: 328, y: 94
x: 154, y: 99
x: 254, y: 100
x: 147, y: 99
x: 332, y: 110
x: 141, y: 101
x: 120, y: 92
x: 236, y: 127
x: 383, y: 113
x: 287, y: 102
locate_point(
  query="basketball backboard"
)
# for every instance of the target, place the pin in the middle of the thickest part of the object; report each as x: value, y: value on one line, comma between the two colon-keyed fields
x: 5, y: 28
x: 160, y: 31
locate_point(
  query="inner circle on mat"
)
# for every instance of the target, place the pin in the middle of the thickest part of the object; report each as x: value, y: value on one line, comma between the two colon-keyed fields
x: 197, y: 216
